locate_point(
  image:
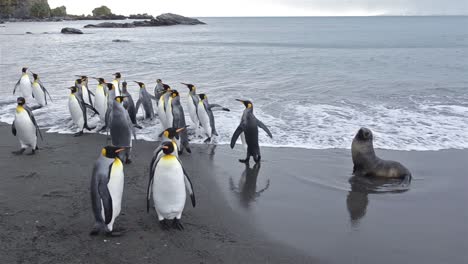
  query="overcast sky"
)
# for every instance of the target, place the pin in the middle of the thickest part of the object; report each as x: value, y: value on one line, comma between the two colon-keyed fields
x: 271, y: 7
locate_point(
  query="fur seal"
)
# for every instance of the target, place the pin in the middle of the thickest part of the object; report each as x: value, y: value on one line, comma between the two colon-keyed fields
x: 366, y: 163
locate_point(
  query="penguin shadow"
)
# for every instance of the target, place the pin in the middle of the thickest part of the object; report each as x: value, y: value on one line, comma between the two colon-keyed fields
x: 357, y: 199
x: 247, y: 186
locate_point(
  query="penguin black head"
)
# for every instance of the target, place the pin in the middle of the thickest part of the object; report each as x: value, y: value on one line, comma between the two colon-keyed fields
x: 82, y: 77
x: 142, y: 85
x: 174, y: 93
x: 159, y: 81
x: 110, y: 86
x: 190, y: 86
x: 21, y: 100
x: 173, y: 132
x: 35, y: 76
x: 202, y: 96
x: 247, y: 103
x: 24, y: 70
x: 78, y: 81
x: 111, y: 152
x: 166, y: 87
x: 73, y: 89
x: 167, y: 147
x: 120, y: 98
x: 117, y: 75
x: 124, y: 84
x: 100, y: 80
x: 364, y: 134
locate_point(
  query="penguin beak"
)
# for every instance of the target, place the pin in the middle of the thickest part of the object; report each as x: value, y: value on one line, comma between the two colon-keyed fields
x: 180, y: 129
x: 119, y: 150
x: 165, y: 147
x: 240, y: 100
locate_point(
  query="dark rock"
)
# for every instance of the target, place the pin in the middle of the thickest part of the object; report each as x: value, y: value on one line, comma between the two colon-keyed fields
x: 68, y: 30
x: 141, y: 16
x: 111, y: 25
x: 28, y: 33
x: 120, y: 40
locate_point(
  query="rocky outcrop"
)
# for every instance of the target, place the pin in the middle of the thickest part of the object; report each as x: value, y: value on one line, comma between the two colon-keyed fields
x: 161, y: 20
x: 68, y: 30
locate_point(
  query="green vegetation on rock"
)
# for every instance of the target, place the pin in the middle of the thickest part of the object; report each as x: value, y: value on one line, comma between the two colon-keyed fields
x: 102, y: 11
x: 60, y: 11
x: 40, y: 10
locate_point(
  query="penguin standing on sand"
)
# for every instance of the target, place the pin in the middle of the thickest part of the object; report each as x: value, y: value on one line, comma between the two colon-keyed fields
x: 39, y: 91
x: 24, y: 84
x: 205, y: 115
x: 107, y: 185
x: 129, y: 105
x: 249, y: 126
x: 145, y: 100
x: 167, y: 182
x: 193, y: 103
x: 162, y: 106
x: 100, y: 99
x: 77, y: 109
x: 121, y: 128
x: 25, y: 127
x: 116, y: 83
x: 176, y: 119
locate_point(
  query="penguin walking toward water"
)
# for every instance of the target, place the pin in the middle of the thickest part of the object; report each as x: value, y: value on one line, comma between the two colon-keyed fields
x: 25, y: 127
x: 145, y: 100
x: 39, y: 91
x: 249, y: 126
x: 77, y: 108
x: 107, y: 185
x: 192, y: 104
x: 162, y: 105
x: 100, y: 98
x: 86, y: 93
x: 176, y: 119
x: 121, y: 128
x: 129, y: 105
x: 24, y: 84
x: 168, y: 182
x: 116, y: 83
x: 205, y: 115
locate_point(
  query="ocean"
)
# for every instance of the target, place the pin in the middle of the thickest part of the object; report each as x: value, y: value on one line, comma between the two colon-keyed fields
x: 314, y: 81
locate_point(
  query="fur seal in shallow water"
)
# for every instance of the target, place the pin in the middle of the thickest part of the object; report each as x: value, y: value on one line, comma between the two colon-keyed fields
x: 366, y: 163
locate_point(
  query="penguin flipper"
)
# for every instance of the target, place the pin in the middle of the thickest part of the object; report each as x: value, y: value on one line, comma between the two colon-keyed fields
x: 262, y: 126
x: 188, y: 185
x: 45, y: 92
x: 16, y: 85
x: 153, y: 164
x: 91, y: 108
x: 215, y: 107
x: 236, y: 135
x: 31, y: 115
x: 13, y: 129
x: 106, y: 200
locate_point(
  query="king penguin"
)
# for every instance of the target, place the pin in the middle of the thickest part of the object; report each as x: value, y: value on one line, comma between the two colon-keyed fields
x: 249, y: 126
x: 193, y: 103
x: 85, y: 91
x: 116, y: 83
x: 176, y: 119
x: 77, y: 109
x: 162, y: 106
x: 121, y: 128
x: 107, y: 184
x: 25, y: 127
x: 167, y: 183
x: 158, y: 89
x: 100, y: 99
x: 129, y: 105
x: 110, y: 100
x: 144, y: 99
x: 205, y: 115
x: 39, y: 91
x: 24, y: 84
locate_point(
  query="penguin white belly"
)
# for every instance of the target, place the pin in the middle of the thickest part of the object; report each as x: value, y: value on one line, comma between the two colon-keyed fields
x: 169, y: 188
x: 75, y: 112
x: 161, y: 112
x: 244, y: 143
x: 115, y: 187
x: 169, y: 116
x: 85, y: 92
x: 38, y: 94
x: 25, y: 86
x: 100, y: 102
x: 116, y: 85
x: 25, y: 129
x: 193, y: 112
x: 204, y: 119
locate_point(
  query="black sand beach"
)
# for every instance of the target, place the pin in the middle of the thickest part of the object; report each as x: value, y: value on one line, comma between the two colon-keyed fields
x: 299, y: 206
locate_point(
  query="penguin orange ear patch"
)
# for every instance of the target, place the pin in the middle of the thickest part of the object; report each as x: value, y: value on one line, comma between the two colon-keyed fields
x: 103, y: 152
x: 249, y: 106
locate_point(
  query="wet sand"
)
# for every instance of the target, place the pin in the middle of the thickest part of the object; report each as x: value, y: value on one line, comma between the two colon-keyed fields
x: 299, y: 206
x: 45, y: 211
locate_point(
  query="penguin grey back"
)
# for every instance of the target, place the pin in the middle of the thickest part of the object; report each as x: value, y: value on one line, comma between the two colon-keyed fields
x: 179, y: 122
x: 120, y: 126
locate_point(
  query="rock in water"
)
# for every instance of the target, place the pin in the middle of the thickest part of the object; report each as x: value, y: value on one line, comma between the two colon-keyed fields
x: 111, y: 25
x: 167, y: 19
x: 71, y: 31
x: 120, y: 40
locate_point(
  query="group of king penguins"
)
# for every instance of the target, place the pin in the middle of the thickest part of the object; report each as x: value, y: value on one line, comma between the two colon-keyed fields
x: 168, y: 182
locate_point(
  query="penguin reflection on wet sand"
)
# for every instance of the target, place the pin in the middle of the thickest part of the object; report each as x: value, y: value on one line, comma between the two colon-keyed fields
x: 247, y: 188
x: 249, y: 126
x: 25, y: 127
x: 168, y: 182
x: 107, y: 185
x: 358, y: 200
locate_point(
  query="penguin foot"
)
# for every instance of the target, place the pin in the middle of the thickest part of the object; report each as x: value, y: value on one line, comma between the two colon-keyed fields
x: 103, y: 129
x: 19, y: 152
x: 95, y: 231
x: 78, y: 134
x: 244, y: 160
x: 138, y: 126
x: 32, y: 152
x: 188, y: 150
x: 257, y: 160
x: 128, y: 161
x: 177, y: 224
x: 164, y: 224
x: 114, y: 233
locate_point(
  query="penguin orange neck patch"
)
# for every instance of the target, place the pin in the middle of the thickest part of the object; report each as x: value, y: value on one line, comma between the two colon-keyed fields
x: 19, y: 109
